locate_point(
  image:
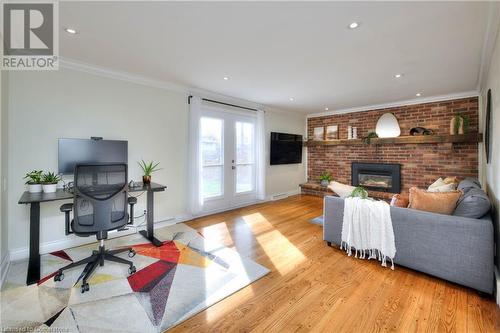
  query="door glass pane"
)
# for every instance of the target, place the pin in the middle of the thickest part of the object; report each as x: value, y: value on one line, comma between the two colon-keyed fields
x: 244, y: 143
x: 211, y: 141
x: 212, y: 181
x: 244, y: 176
x: 212, y: 156
x: 244, y: 157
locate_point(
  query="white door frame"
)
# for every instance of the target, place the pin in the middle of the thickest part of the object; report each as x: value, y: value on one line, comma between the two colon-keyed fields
x: 230, y: 198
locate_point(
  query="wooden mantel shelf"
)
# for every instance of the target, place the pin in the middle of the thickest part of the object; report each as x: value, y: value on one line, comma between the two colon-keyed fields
x: 417, y: 139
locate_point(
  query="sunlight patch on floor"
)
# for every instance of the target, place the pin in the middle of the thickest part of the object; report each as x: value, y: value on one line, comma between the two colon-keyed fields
x: 279, y: 248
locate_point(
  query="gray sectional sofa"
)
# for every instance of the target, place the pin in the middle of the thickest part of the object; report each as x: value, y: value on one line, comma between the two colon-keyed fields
x: 458, y: 248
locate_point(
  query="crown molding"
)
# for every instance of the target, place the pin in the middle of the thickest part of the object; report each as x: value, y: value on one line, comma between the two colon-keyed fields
x: 490, y: 37
x: 421, y: 100
x: 149, y: 82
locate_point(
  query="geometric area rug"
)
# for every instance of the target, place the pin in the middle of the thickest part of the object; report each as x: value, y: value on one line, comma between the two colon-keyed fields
x: 173, y: 282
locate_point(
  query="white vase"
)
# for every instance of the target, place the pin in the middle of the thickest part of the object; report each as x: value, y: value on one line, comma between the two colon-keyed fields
x: 34, y: 188
x: 49, y: 188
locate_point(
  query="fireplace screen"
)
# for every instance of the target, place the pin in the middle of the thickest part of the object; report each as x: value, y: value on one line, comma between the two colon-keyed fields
x: 367, y: 180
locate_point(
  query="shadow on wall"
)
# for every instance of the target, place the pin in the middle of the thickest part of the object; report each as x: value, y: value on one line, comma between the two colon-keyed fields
x: 496, y: 222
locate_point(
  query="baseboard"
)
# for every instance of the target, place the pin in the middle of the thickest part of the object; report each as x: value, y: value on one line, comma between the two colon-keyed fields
x: 4, y: 267
x: 283, y: 195
x: 72, y: 240
x: 497, y: 280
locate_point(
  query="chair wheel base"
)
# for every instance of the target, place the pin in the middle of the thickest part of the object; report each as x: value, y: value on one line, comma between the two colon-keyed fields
x: 85, y: 287
x: 131, y: 253
x: 59, y: 277
x: 132, y: 270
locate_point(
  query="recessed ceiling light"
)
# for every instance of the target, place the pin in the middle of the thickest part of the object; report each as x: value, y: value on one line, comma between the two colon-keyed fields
x: 226, y: 78
x: 418, y: 94
x: 326, y: 109
x: 353, y: 25
x: 397, y: 76
x: 70, y: 31
x: 291, y: 99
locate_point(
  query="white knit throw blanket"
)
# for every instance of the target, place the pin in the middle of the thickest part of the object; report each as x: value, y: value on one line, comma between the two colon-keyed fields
x: 367, y: 229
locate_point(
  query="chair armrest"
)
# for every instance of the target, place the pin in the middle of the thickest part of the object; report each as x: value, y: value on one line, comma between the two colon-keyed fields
x: 131, y: 201
x: 66, y: 208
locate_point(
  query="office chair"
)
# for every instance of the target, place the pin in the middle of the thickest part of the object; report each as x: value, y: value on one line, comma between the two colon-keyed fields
x: 99, y: 205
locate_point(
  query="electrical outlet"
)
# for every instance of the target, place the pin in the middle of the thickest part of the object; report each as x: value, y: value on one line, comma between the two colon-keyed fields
x: 145, y: 211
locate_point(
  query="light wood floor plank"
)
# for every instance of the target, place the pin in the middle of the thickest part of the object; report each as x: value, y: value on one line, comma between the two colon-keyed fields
x: 316, y: 288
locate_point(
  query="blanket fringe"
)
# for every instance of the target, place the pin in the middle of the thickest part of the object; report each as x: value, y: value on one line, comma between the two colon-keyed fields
x: 367, y: 254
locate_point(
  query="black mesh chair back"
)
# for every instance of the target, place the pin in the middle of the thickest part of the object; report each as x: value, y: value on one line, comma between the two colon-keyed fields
x: 100, y: 198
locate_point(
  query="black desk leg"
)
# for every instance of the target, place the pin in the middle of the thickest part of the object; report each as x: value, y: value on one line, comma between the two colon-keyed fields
x: 34, y: 260
x: 149, y: 233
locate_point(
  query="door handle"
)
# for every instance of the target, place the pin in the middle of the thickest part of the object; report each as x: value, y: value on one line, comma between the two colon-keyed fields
x: 233, y: 167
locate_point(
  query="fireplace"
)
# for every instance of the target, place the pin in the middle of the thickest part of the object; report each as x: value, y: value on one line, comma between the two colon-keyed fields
x: 377, y: 176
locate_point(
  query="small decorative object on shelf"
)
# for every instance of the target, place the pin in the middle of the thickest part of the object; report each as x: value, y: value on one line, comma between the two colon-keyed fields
x: 34, y: 181
x: 49, y: 182
x: 319, y: 133
x: 367, y: 139
x: 354, y: 133
x: 421, y: 131
x: 148, y: 169
x: 349, y: 132
x: 325, y: 178
x: 332, y: 132
x: 459, y: 124
x: 388, y: 126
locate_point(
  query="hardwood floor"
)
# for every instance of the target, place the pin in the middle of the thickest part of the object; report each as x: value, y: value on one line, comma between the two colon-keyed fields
x: 313, y: 287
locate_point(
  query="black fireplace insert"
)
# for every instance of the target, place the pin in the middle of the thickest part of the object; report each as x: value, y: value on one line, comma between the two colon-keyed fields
x: 377, y: 176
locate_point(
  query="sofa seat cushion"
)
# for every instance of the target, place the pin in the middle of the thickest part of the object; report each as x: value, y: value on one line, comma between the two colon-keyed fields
x: 434, y: 202
x: 474, y: 204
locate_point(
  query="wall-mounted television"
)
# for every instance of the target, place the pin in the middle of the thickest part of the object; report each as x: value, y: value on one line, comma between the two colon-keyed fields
x: 286, y: 148
x: 74, y: 151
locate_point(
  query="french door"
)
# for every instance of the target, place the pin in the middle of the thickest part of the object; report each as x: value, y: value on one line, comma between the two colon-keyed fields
x: 227, y: 148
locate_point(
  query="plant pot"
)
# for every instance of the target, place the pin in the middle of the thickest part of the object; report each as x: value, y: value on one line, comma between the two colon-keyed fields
x: 325, y: 183
x: 49, y: 188
x: 146, y: 180
x: 34, y: 188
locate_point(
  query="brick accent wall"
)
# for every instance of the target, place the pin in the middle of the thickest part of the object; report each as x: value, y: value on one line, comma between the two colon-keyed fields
x: 421, y: 164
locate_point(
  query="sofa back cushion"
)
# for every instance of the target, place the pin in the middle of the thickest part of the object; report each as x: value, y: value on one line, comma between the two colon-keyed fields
x: 434, y: 202
x: 474, y: 204
x: 468, y: 183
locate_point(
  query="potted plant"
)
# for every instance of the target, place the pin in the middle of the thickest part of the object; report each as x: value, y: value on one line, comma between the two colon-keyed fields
x: 49, y: 182
x: 34, y: 181
x: 325, y: 178
x: 147, y: 170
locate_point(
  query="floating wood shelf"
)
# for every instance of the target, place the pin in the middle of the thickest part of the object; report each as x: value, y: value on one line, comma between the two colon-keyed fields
x: 417, y: 139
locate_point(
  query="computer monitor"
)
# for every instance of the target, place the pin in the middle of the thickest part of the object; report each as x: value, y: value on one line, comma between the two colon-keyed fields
x: 75, y: 151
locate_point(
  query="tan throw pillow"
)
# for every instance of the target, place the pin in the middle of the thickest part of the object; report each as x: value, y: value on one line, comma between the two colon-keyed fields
x: 438, y: 202
x: 342, y: 190
x: 400, y: 200
x: 449, y: 180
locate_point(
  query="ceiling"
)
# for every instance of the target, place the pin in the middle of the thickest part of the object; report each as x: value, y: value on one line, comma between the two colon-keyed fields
x: 274, y: 51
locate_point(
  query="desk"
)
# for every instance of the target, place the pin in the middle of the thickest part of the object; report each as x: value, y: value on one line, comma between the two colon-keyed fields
x: 34, y: 200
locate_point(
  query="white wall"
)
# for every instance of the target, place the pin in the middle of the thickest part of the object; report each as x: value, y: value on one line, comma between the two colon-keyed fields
x: 3, y: 174
x: 44, y: 106
x: 492, y: 170
x: 284, y: 178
